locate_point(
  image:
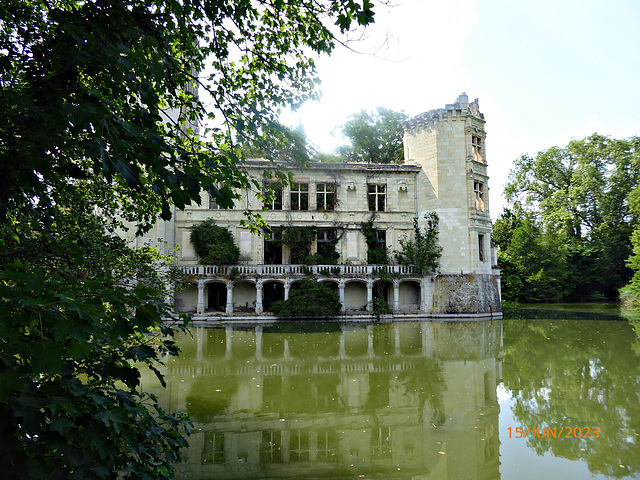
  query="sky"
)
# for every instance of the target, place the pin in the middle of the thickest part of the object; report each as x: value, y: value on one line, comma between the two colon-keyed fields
x: 545, y: 72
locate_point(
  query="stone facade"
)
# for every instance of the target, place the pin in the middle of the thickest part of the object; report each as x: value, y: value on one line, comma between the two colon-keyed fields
x: 445, y: 171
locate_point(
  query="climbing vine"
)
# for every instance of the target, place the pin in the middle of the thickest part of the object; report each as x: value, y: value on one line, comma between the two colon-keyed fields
x: 423, y: 252
x: 376, y: 254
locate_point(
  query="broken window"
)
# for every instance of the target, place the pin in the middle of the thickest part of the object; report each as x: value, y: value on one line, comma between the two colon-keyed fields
x: 299, y: 196
x: 377, y: 196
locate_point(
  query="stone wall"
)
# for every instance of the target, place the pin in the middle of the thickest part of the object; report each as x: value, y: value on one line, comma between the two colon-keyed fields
x: 465, y: 294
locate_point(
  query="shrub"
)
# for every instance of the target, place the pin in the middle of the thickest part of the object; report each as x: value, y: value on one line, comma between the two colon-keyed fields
x: 213, y: 244
x: 312, y: 299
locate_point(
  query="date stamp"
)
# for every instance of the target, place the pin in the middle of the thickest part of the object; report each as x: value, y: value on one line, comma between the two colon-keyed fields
x: 554, y: 432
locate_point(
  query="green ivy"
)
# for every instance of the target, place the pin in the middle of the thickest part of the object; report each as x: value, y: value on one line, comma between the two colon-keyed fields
x: 424, y: 252
x: 375, y: 254
x: 213, y: 244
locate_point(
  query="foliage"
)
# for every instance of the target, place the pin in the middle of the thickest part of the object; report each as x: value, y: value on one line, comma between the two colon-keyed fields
x: 375, y: 138
x: 299, y: 240
x: 214, y: 244
x: 280, y: 143
x: 99, y: 123
x: 567, y: 233
x: 77, y: 310
x: 380, y: 306
x: 376, y: 254
x: 423, y: 252
x: 312, y: 299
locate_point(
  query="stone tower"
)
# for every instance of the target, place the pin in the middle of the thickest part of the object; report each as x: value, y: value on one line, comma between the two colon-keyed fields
x: 449, y: 145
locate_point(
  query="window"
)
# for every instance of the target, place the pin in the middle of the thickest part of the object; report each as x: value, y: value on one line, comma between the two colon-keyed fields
x: 299, y: 446
x: 476, y: 143
x: 271, y: 448
x: 381, y: 442
x: 381, y: 236
x: 325, y: 245
x: 481, y: 248
x: 327, y: 444
x: 273, y: 246
x: 377, y: 198
x: 299, y: 196
x: 273, y: 190
x: 212, y: 198
x: 213, y: 450
x: 325, y: 196
x: 478, y: 191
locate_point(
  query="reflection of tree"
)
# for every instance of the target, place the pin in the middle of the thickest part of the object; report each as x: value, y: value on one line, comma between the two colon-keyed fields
x: 577, y: 374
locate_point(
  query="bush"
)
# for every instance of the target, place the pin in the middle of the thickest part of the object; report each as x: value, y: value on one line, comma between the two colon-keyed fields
x: 213, y: 244
x: 312, y: 299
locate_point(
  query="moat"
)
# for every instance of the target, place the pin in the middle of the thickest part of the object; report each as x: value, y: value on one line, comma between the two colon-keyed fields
x: 413, y: 400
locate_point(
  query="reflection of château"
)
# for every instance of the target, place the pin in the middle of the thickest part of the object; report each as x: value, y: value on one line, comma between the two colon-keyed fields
x: 414, y: 400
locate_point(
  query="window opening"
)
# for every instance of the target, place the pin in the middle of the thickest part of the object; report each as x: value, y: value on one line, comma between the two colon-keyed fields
x: 377, y: 198
x: 325, y: 196
x: 478, y: 191
x: 275, y: 190
x: 213, y: 448
x: 299, y: 196
x: 481, y: 248
x: 476, y: 143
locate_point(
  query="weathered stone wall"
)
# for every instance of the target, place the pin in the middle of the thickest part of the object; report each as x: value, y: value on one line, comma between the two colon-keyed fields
x: 465, y: 294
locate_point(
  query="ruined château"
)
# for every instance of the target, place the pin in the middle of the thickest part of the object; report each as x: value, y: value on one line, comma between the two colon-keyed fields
x: 444, y: 171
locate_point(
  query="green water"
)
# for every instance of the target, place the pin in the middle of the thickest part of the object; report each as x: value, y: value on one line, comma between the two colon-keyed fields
x: 423, y: 400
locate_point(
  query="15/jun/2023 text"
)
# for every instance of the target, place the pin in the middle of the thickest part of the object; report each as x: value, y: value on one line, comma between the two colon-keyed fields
x: 554, y: 432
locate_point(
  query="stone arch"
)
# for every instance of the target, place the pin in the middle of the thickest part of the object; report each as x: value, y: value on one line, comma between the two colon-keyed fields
x: 244, y: 295
x: 410, y: 293
x: 272, y: 291
x: 216, y: 295
x: 355, y: 294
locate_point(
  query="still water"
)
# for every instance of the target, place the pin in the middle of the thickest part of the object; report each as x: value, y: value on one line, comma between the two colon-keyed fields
x: 423, y: 400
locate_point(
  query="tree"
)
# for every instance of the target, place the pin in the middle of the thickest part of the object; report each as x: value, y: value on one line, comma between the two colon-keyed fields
x: 99, y: 123
x: 375, y: 138
x: 423, y: 252
x: 579, y: 194
x: 213, y: 244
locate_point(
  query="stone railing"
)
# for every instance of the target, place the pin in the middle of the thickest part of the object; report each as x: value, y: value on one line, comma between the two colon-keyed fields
x: 294, y: 270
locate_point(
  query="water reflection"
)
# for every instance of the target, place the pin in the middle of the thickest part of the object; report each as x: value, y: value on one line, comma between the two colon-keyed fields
x: 577, y: 373
x: 414, y: 400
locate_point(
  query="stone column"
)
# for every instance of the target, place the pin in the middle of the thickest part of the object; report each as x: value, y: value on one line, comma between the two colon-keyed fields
x: 396, y: 337
x: 259, y: 297
x: 228, y: 333
x: 259, y: 343
x: 341, y: 285
x: 396, y: 294
x: 370, y: 351
x: 426, y: 293
x: 200, y: 307
x: 287, y: 287
x: 342, y: 350
x: 229, y: 297
x: 369, y: 295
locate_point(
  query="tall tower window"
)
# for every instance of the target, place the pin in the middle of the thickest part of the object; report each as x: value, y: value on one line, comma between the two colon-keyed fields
x: 481, y: 248
x: 377, y: 197
x: 299, y: 196
x: 476, y: 143
x: 478, y: 193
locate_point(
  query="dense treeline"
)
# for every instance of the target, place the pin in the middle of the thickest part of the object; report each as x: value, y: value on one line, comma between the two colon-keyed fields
x: 573, y: 213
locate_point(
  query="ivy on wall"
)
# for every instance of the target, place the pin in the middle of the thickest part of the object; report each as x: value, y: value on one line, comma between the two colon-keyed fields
x: 214, y: 244
x: 423, y: 252
x: 376, y: 254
